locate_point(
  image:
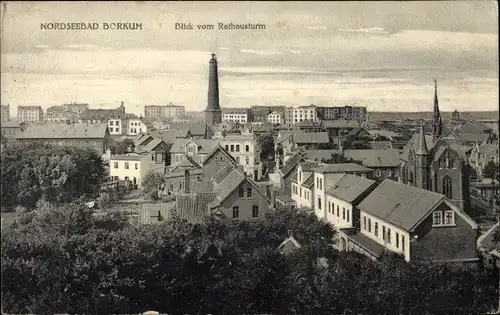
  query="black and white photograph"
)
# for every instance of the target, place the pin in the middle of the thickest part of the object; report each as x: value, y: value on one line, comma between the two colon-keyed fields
x: 250, y: 157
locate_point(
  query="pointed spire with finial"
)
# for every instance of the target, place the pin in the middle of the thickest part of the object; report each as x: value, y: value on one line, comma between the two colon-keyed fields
x: 422, y: 144
x: 437, y: 122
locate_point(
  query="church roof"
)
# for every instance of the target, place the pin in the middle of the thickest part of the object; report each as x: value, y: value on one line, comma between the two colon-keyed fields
x: 421, y: 148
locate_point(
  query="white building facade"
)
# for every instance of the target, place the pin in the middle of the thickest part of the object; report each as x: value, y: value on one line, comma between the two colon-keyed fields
x: 305, y: 113
x: 275, y: 118
x: 132, y: 167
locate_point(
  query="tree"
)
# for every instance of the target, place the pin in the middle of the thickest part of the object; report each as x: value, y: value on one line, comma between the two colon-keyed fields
x: 266, y: 145
x: 37, y: 171
x: 153, y: 182
x: 121, y: 147
x: 491, y: 170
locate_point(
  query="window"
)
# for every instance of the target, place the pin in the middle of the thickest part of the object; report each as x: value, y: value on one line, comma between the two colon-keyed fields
x: 388, y: 235
x: 447, y: 187
x: 247, y: 160
x: 364, y: 222
x: 116, y: 164
x: 437, y: 218
x: 249, y: 192
x: 237, y: 148
x: 126, y: 165
x: 403, y: 243
x: 236, y: 212
x: 378, y: 174
x: 319, y: 203
x: 255, y: 211
x: 383, y: 233
x: 227, y: 147
x: 347, y: 215
x: 300, y: 176
x: 369, y: 225
x: 300, y: 191
x: 136, y: 166
x: 449, y: 218
x: 247, y: 148
x: 232, y: 147
x: 242, y: 192
x: 376, y: 229
x: 338, y: 211
x: 343, y: 213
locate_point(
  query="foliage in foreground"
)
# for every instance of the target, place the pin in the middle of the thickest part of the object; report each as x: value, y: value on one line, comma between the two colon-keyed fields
x: 36, y: 171
x: 65, y: 259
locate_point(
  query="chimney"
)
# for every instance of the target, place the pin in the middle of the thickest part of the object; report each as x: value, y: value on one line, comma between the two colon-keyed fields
x: 186, y: 181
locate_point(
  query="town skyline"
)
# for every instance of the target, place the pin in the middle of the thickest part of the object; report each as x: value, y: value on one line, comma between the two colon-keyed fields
x: 385, y: 59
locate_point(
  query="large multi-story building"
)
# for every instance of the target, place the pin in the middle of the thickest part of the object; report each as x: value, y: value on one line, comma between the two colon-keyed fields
x: 30, y: 113
x: 235, y: 115
x: 259, y: 113
x: 288, y: 118
x: 303, y: 113
x: 93, y: 136
x: 275, y: 118
x: 169, y: 111
x: 5, y: 113
x: 76, y: 108
x: 344, y: 113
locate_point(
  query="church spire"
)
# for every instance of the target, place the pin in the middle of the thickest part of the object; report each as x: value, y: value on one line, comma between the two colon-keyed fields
x: 437, y: 123
x: 422, y: 144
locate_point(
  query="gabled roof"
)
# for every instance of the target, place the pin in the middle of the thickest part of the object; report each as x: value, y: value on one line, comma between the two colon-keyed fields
x: 187, y: 163
x: 309, y: 182
x: 350, y: 188
x: 319, y: 155
x: 307, y: 166
x: 230, y: 184
x: 284, y: 135
x: 63, y: 131
x: 485, y: 241
x: 142, y: 139
x: 221, y: 149
x: 170, y: 136
x: 374, y: 158
x: 310, y: 137
x: 399, y: 204
x: 290, y: 241
x: 196, y: 129
x: 412, y: 144
x: 152, y: 145
x: 205, y: 146
x: 291, y: 163
x: 193, y: 207
x: 342, y: 168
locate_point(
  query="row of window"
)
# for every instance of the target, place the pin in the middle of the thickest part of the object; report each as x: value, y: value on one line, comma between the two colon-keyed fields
x: 443, y: 218
x: 116, y: 122
x: 319, y: 183
x: 127, y: 165
x: 386, y: 233
x: 307, y: 194
x: 294, y: 189
x: 236, y: 148
x: 345, y: 213
x: 236, y: 212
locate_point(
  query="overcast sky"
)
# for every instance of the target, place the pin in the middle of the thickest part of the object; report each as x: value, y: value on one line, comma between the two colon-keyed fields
x: 379, y: 54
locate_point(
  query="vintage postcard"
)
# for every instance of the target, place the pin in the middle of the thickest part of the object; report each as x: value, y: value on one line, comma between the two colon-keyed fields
x: 253, y: 157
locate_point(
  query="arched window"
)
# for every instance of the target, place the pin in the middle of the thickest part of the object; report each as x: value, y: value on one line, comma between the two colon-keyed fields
x: 447, y: 187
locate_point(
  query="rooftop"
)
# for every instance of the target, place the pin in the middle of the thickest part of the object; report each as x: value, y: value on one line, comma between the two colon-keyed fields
x: 350, y: 188
x: 63, y: 131
x: 342, y: 168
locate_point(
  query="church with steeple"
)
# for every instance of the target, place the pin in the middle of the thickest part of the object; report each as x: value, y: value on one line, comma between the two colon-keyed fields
x: 213, y: 112
x: 437, y: 163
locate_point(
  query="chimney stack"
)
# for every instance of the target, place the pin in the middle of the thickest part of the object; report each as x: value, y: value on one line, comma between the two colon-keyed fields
x: 186, y: 181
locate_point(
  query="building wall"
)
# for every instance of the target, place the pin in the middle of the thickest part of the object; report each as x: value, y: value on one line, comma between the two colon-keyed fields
x: 344, y: 113
x: 369, y: 231
x: 308, y: 113
x: 30, y: 113
x: 5, y: 113
x: 135, y: 127
x: 100, y: 145
x: 439, y: 243
x: 164, y: 111
x: 174, y: 182
x: 382, y: 173
x: 319, y: 195
x: 245, y: 154
x: 137, y: 169
x: 339, y: 212
x: 215, y: 163
x: 275, y: 118
x: 245, y: 204
x: 115, y: 126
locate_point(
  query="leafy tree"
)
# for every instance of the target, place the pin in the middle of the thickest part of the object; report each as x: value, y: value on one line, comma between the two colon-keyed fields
x: 491, y: 170
x: 121, y: 147
x: 103, y: 200
x: 36, y: 171
x: 153, y: 182
x: 266, y: 145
